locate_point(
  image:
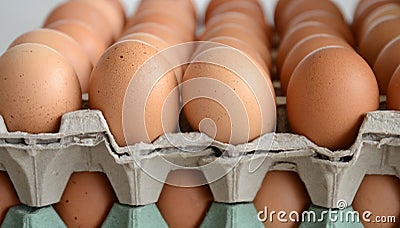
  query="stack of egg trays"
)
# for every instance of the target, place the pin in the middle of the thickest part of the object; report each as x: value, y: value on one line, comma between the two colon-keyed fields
x: 40, y: 165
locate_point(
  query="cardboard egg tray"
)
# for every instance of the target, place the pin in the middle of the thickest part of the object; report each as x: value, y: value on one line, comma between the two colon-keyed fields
x: 40, y: 165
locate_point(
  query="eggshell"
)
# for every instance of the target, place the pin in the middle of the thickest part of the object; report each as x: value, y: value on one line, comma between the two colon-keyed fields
x: 242, y: 19
x: 379, y: 195
x: 301, y: 50
x: 227, y: 97
x: 281, y: 191
x: 158, y: 30
x: 164, y: 18
x: 109, y: 88
x: 241, y: 33
x: 266, y: 65
x: 246, y: 7
x: 334, y: 88
x: 86, y: 201
x: 393, y: 95
x: 280, y: 9
x: 113, y: 14
x: 37, y: 87
x: 295, y: 8
x: 8, y: 195
x: 213, y: 4
x: 297, y: 33
x: 67, y: 47
x: 183, y: 206
x: 377, y: 37
x: 185, y: 7
x: 75, y: 10
x: 386, y: 64
x: 325, y: 18
x: 87, y: 38
x: 383, y: 11
x: 120, y: 7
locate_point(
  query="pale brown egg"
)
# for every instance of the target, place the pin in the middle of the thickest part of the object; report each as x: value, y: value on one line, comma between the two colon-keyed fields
x: 38, y: 86
x: 379, y: 195
x: 213, y: 4
x: 393, y: 95
x: 9, y: 197
x: 264, y: 32
x: 113, y: 14
x: 325, y: 18
x: 241, y: 33
x: 183, y: 206
x: 75, y: 10
x: 67, y: 47
x: 377, y: 37
x: 281, y: 191
x: 297, y: 33
x: 386, y: 63
x: 159, y: 30
x: 87, y: 38
x: 86, y: 201
x: 120, y: 7
x: 131, y: 101
x: 227, y: 97
x: 186, y: 8
x: 164, y: 18
x: 333, y: 87
x: 301, y: 50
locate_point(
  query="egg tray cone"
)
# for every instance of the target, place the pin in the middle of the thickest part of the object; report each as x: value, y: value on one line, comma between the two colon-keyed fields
x: 40, y: 165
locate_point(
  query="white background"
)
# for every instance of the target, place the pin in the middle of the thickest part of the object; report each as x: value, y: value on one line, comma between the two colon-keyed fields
x: 19, y: 16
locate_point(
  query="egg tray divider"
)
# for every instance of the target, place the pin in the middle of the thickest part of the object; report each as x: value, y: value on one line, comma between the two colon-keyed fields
x: 40, y: 165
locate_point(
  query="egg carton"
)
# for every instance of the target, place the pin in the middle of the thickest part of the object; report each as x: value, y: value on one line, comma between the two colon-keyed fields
x: 40, y: 165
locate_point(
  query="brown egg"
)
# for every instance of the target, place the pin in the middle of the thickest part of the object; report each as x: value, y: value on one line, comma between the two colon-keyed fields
x: 183, y: 206
x: 9, y: 197
x: 158, y: 30
x: 64, y: 44
x: 301, y: 50
x: 393, y: 95
x: 87, y: 38
x: 333, y: 87
x: 213, y: 4
x: 280, y: 9
x: 297, y: 33
x: 246, y: 7
x: 325, y: 18
x: 241, y: 33
x: 379, y: 195
x: 295, y: 8
x: 75, y: 10
x: 113, y: 14
x: 364, y: 8
x: 384, y: 11
x: 386, y: 64
x: 119, y: 6
x: 264, y: 32
x: 227, y: 97
x: 186, y: 8
x: 281, y: 191
x: 165, y: 18
x: 38, y: 86
x: 86, y: 200
x: 266, y: 65
x: 110, y: 80
x: 377, y: 37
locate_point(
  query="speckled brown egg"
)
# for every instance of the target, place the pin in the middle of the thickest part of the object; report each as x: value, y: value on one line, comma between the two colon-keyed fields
x: 159, y: 30
x: 183, y: 206
x: 9, y: 197
x: 367, y: 199
x: 386, y: 64
x: 333, y: 87
x: 377, y: 37
x: 87, y: 38
x: 131, y: 101
x: 301, y: 50
x: 281, y: 191
x: 86, y: 201
x: 67, y: 47
x: 393, y: 95
x: 38, y: 86
x: 75, y: 10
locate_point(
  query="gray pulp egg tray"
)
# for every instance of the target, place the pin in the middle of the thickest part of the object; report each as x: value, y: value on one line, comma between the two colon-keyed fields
x: 40, y: 165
